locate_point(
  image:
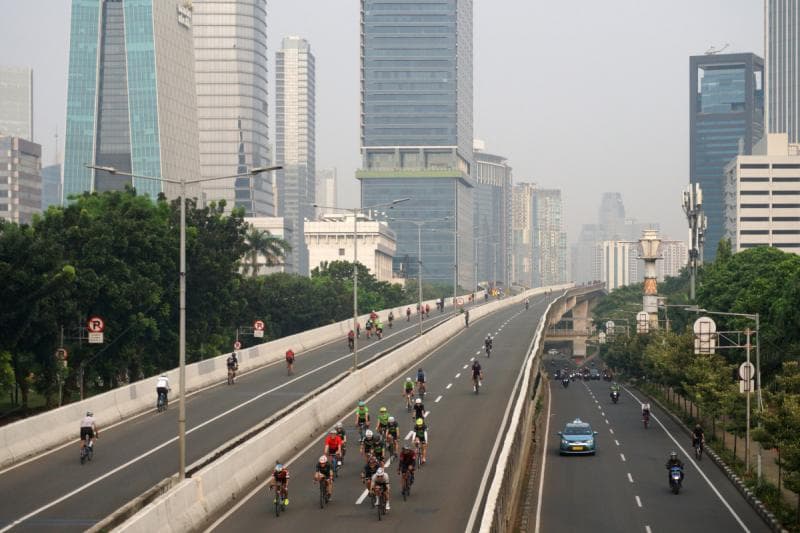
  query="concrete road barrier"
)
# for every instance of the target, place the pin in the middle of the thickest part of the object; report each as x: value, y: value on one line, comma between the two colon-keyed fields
x: 47, y: 430
x: 216, y: 486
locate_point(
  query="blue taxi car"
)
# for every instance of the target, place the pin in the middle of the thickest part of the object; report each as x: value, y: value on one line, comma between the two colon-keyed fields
x: 577, y: 439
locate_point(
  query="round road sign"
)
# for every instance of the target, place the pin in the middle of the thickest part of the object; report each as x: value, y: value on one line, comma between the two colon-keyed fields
x: 61, y: 354
x: 96, y: 324
x: 747, y: 371
x: 237, y: 345
x: 258, y: 325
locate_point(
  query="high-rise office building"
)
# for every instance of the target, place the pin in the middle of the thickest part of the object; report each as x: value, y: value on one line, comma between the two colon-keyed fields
x: 326, y: 190
x: 492, y: 213
x: 51, y: 186
x: 416, y: 129
x: 549, y: 239
x: 131, y: 101
x: 295, y: 148
x: 230, y: 46
x: 16, y: 102
x: 523, y: 216
x: 20, y: 179
x: 616, y: 262
x: 726, y: 103
x: 611, y: 215
x: 782, y: 35
x: 674, y: 258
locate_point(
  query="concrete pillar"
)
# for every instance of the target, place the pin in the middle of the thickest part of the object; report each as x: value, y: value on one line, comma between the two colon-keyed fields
x: 580, y: 318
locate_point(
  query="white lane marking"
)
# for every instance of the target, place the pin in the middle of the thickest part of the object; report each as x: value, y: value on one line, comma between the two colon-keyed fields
x: 630, y: 477
x: 410, y: 434
x: 611, y: 431
x: 458, y: 375
x: 472, y: 358
x: 465, y: 367
x: 449, y: 385
x: 427, y: 413
x: 616, y: 442
x: 364, y: 494
x: 602, y: 413
x: 622, y: 456
x: 599, y: 408
x: 544, y: 465
x: 437, y: 399
x: 647, y: 529
x: 162, y: 445
x: 638, y: 501
x: 477, y: 353
x: 689, y: 457
x: 606, y: 420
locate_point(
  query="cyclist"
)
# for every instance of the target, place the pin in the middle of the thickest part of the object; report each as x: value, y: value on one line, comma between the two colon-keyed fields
x: 372, y: 442
x: 466, y: 318
x: 369, y: 470
x: 342, y: 435
x: 408, y: 314
x: 477, y: 374
x: 362, y: 417
x: 420, y: 383
x: 378, y: 328
x: 233, y: 366
x: 527, y: 304
x: 406, y: 462
x: 391, y: 318
x: 421, y: 438
x: 408, y: 391
x: 383, y: 420
x: 381, y: 479
x: 427, y: 310
x: 392, y: 434
x: 162, y: 387
x: 698, y: 436
x: 351, y: 340
x: 88, y: 427
x: 333, y: 445
x: 368, y: 327
x: 290, y: 360
x: 646, y: 412
x: 280, y: 479
x: 419, y: 409
x: 373, y: 315
x: 487, y: 343
x: 324, y: 471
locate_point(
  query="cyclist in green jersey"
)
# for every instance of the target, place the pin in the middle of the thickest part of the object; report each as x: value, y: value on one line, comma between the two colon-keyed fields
x: 408, y: 391
x: 362, y: 418
x: 421, y: 438
x: 383, y: 420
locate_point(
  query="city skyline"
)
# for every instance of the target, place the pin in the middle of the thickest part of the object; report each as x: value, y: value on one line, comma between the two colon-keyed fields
x: 711, y: 24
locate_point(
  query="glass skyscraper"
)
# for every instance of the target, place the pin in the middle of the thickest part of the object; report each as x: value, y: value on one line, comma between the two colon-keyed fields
x: 726, y: 100
x: 549, y: 239
x: 295, y: 147
x: 230, y: 40
x: 783, y: 71
x: 492, y: 214
x: 131, y: 100
x: 416, y: 129
x: 16, y: 102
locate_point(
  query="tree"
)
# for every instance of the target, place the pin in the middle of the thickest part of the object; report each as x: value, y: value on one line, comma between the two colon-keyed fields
x: 263, y: 243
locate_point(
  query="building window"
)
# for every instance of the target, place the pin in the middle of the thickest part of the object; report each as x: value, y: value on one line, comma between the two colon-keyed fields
x: 754, y: 219
x: 755, y: 165
x: 786, y: 180
x: 341, y: 252
x: 754, y: 206
x: 785, y: 165
x: 786, y: 206
x: 754, y: 179
x: 786, y: 232
x: 754, y: 232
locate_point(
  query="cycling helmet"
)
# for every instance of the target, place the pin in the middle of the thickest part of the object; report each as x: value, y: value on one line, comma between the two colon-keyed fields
x: 420, y: 421
x: 384, y: 410
x: 673, y: 455
x: 697, y: 427
x: 391, y: 419
x: 89, y: 413
x: 338, y: 425
x: 373, y: 459
x: 278, y: 467
x: 332, y: 432
x: 418, y: 401
x: 368, y: 434
x: 361, y: 403
x: 323, y: 459
x: 379, y: 471
x: 408, y: 380
x: 406, y: 447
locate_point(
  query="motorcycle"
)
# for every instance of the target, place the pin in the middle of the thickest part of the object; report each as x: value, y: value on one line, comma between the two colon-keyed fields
x: 565, y: 382
x: 675, y: 479
x: 615, y: 396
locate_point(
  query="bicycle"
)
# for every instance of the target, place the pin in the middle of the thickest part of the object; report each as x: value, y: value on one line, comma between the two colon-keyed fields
x: 231, y: 376
x: 362, y: 428
x: 324, y: 497
x: 698, y: 449
x: 407, y: 477
x: 488, y: 351
x: 645, y: 420
x: 334, y: 461
x: 161, y: 404
x: 351, y: 343
x: 409, y: 404
x: 418, y: 449
x: 280, y: 497
x: 87, y: 450
x: 381, y: 500
x: 421, y: 390
x: 476, y: 384
x: 390, y: 444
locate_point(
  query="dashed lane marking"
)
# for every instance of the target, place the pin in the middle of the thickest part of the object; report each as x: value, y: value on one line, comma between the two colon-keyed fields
x: 630, y: 477
x: 611, y: 431
x: 638, y: 501
x: 458, y: 375
x: 616, y: 442
x: 606, y: 420
x: 437, y: 399
x: 622, y: 456
x: 449, y: 385
x: 647, y: 529
x: 465, y: 367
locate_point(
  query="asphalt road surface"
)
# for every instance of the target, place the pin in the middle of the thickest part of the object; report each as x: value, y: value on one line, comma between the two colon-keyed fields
x: 463, y: 431
x: 55, y: 492
x: 624, y: 487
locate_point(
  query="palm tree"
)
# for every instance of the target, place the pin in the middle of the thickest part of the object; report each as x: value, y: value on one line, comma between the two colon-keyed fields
x: 262, y: 242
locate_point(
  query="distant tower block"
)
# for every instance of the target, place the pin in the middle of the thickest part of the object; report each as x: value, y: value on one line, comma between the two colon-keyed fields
x: 649, y: 245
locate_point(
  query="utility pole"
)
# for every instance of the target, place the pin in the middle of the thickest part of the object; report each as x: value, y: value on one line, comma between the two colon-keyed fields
x: 693, y: 207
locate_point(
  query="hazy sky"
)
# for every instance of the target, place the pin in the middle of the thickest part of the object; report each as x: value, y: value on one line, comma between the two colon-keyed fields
x: 584, y: 95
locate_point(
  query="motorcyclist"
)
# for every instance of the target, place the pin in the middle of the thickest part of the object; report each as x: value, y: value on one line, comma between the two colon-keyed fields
x: 646, y: 410
x: 614, y: 388
x: 674, y: 461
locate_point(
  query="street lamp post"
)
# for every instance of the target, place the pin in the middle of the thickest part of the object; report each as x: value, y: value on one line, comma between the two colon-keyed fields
x: 357, y: 211
x: 181, y: 291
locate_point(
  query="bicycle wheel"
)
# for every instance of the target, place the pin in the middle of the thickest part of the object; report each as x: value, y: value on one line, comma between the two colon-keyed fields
x: 321, y: 484
x: 278, y: 502
x: 83, y: 454
x: 381, y: 503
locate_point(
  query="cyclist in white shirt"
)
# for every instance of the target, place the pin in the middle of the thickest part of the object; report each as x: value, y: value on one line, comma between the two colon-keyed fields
x: 89, y: 427
x: 162, y: 386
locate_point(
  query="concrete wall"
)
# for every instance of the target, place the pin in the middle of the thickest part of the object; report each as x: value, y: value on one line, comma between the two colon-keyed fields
x: 211, y: 489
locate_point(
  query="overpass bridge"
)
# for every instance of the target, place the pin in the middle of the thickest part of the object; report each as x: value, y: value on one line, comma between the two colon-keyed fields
x: 569, y: 324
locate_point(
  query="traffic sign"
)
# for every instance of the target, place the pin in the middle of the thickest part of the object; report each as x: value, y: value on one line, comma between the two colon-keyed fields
x: 258, y: 325
x: 95, y: 337
x: 96, y: 324
x: 746, y: 385
x: 747, y: 371
x: 237, y: 345
x: 61, y: 354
